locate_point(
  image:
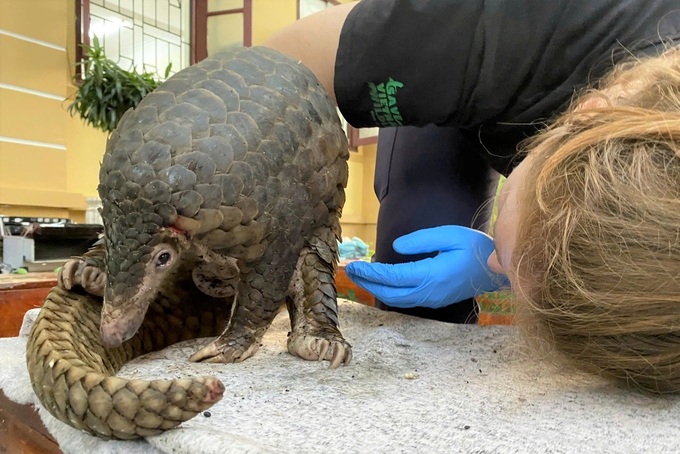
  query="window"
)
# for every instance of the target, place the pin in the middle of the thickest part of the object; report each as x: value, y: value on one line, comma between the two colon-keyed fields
x: 220, y: 23
x: 146, y: 34
x: 307, y: 7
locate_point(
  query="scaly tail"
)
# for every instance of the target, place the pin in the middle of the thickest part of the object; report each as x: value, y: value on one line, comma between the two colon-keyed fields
x: 73, y: 374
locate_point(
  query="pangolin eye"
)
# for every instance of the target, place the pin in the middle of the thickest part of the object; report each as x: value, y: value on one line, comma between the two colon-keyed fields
x: 163, y: 259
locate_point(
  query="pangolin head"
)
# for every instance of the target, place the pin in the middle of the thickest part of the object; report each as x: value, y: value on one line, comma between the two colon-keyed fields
x: 141, y: 254
x: 138, y: 179
x: 142, y: 247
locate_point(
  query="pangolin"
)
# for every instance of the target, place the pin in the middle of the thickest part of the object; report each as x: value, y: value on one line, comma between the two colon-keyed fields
x: 221, y: 194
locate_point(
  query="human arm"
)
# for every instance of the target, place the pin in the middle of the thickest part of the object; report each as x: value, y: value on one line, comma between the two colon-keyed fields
x: 467, y: 63
x: 314, y: 41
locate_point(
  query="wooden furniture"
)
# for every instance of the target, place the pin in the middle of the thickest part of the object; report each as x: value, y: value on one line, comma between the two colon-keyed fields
x: 22, y: 431
x: 19, y: 293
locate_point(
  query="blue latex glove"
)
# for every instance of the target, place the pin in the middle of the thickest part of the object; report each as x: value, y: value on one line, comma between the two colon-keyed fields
x: 457, y: 273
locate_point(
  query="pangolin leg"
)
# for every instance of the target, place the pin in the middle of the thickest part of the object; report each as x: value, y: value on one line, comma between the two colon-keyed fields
x: 313, y: 306
x: 86, y: 271
x: 252, y: 315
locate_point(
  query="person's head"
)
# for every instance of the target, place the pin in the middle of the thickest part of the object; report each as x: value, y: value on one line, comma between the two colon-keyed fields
x: 588, y: 230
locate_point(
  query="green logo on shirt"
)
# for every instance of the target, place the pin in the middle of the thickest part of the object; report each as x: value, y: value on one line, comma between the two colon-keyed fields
x: 385, y: 110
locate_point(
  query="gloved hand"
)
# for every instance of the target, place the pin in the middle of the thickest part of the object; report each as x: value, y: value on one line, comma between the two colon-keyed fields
x: 457, y: 273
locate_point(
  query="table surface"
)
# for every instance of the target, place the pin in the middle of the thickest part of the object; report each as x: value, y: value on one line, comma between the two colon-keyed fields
x: 29, y: 280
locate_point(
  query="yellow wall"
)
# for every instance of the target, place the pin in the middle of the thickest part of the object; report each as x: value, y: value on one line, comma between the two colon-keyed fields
x: 360, y: 214
x: 271, y: 15
x: 57, y: 168
x: 48, y: 160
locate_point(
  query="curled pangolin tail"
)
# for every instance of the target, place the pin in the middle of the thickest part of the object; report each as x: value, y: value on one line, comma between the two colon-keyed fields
x: 73, y: 374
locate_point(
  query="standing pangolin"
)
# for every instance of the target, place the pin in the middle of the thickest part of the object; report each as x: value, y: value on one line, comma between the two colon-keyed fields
x: 222, y: 192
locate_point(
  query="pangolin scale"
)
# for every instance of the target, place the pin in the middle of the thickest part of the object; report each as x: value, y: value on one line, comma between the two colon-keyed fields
x: 222, y: 193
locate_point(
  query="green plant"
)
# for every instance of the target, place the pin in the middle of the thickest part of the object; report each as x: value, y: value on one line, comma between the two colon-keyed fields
x: 107, y: 91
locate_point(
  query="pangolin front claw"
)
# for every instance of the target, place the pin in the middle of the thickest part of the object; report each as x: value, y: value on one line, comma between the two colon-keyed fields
x: 80, y: 272
x: 66, y: 273
x: 218, y: 351
x: 317, y: 348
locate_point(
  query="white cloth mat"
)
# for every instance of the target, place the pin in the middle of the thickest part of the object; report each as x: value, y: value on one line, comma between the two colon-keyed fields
x: 413, y: 386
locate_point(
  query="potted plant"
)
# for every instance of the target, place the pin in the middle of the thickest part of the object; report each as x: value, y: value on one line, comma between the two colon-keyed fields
x: 107, y: 91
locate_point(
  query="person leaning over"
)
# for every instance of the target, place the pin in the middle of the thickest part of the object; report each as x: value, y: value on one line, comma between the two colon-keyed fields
x: 587, y: 232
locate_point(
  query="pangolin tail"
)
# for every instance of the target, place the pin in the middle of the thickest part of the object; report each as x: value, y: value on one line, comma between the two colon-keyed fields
x: 74, y: 375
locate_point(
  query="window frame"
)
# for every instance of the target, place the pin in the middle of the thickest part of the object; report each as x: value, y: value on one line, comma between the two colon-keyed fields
x: 199, y: 26
x: 82, y: 9
x: 330, y: 2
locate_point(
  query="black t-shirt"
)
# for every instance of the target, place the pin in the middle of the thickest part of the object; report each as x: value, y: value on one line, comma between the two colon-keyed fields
x: 497, y: 69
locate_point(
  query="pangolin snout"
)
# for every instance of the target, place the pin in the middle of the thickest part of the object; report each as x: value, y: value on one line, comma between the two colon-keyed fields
x: 115, y: 332
x: 112, y: 335
x: 119, y: 322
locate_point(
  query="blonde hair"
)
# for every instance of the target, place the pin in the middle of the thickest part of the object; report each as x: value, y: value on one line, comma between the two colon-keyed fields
x: 599, y: 235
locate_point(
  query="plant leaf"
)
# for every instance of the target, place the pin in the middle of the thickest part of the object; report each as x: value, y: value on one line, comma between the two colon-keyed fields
x: 107, y: 91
